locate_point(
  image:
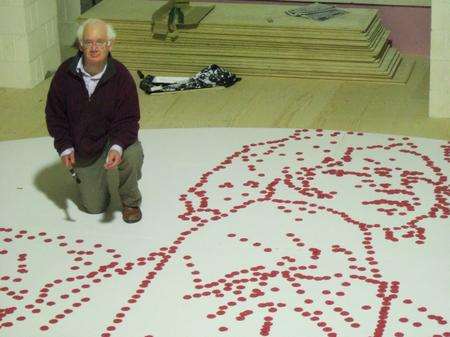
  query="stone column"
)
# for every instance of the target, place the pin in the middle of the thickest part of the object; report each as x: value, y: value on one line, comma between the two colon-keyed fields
x: 29, y: 45
x: 440, y: 59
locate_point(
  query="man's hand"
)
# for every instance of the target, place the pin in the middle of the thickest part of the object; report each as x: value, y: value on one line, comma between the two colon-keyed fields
x: 114, y: 159
x: 68, y: 160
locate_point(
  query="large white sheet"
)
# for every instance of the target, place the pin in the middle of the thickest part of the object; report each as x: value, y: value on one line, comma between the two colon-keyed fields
x: 246, y: 232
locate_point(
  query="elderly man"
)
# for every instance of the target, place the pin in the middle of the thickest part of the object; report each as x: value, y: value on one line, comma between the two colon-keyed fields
x: 92, y: 113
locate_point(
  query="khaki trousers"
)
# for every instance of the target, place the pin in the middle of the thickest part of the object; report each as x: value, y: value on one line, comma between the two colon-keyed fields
x: 94, y: 192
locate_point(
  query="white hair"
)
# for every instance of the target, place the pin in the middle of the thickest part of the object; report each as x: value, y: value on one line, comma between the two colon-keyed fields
x: 110, y: 32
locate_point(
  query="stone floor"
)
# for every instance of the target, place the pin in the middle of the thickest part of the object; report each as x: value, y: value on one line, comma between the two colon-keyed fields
x: 262, y: 102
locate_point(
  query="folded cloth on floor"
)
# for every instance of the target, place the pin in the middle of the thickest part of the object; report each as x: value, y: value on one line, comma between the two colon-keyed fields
x: 208, y: 77
x: 316, y: 11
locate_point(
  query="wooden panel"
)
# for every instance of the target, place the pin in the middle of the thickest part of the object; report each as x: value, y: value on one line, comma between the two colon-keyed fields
x: 236, y: 15
x: 256, y: 39
x: 408, y: 3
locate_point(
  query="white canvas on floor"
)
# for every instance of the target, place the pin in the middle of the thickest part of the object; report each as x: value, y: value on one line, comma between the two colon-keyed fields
x: 245, y: 232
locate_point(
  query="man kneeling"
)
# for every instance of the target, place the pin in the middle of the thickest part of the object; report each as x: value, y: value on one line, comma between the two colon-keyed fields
x: 92, y: 113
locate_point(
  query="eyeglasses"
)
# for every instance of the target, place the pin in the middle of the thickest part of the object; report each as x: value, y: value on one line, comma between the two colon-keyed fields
x: 99, y: 43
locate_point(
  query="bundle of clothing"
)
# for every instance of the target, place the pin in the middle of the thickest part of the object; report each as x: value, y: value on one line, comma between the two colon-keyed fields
x: 316, y: 11
x: 211, y: 76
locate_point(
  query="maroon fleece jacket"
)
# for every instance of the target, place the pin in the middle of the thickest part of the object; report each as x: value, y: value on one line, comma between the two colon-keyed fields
x: 86, y: 123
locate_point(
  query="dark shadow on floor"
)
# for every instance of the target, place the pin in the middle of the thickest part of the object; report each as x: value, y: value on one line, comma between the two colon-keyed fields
x: 56, y: 183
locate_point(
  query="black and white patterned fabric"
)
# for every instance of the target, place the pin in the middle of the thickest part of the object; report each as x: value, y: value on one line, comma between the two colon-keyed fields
x: 208, y: 77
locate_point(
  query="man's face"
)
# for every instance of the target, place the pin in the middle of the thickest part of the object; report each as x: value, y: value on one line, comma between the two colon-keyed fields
x: 95, y: 45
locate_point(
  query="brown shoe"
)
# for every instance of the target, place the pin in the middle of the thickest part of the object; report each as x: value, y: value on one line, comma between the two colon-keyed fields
x: 131, y: 214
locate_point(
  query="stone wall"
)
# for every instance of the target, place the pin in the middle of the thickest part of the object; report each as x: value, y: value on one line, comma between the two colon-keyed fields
x: 440, y: 59
x: 29, y: 42
x: 68, y: 12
